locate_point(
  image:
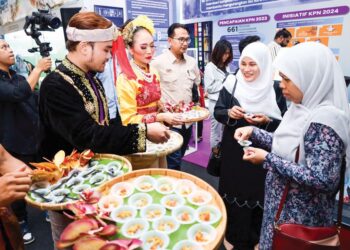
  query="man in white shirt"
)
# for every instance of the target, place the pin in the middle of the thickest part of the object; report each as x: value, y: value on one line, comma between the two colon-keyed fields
x: 178, y: 73
x: 281, y: 39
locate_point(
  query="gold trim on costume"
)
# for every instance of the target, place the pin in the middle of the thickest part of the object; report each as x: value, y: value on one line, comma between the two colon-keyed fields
x: 141, y: 147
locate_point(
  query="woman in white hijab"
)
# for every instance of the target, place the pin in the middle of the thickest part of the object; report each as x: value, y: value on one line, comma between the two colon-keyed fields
x: 318, y: 123
x: 241, y: 183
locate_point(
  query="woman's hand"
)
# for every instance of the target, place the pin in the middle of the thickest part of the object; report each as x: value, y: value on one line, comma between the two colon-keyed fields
x: 256, y: 119
x: 243, y: 133
x: 254, y: 155
x: 236, y: 112
x: 170, y: 118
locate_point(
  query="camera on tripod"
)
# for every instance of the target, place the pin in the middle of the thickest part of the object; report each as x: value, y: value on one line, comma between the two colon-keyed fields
x: 41, y: 21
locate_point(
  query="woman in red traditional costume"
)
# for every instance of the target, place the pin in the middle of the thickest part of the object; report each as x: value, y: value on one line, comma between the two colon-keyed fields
x: 139, y: 90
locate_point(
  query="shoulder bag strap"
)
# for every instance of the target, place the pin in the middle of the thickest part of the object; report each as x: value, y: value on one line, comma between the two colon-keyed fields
x: 341, y: 192
x: 285, y: 192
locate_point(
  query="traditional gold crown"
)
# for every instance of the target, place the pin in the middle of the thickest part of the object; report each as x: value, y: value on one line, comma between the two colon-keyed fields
x: 140, y: 21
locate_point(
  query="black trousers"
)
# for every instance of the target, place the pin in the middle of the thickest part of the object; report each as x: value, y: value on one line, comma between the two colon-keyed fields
x: 243, y: 226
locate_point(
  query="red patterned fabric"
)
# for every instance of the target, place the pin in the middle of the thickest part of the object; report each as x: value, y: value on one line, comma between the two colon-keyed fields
x: 148, y: 92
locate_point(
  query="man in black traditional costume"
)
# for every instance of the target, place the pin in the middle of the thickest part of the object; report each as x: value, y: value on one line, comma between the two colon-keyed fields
x: 73, y: 106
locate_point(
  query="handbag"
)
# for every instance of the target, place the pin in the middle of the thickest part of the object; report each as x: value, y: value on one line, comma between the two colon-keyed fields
x: 214, y: 163
x: 289, y: 236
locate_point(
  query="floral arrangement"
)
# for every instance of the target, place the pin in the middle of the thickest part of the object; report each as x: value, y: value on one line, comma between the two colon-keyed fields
x: 60, y: 166
x: 89, y: 230
x: 140, y: 21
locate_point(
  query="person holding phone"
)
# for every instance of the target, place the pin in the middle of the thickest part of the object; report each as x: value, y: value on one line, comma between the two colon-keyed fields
x: 241, y: 183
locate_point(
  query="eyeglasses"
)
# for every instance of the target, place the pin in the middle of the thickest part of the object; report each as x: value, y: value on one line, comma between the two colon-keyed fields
x: 183, y: 39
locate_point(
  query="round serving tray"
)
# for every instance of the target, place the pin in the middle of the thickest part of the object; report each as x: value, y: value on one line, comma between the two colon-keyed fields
x: 196, y: 114
x: 126, y: 168
x: 152, y: 149
x: 216, y: 199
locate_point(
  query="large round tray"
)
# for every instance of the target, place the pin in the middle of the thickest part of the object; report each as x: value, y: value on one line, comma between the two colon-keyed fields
x: 199, y: 112
x: 173, y: 144
x: 62, y: 206
x: 217, y: 200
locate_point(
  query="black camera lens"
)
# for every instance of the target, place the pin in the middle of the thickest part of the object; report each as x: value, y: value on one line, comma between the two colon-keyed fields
x: 52, y: 21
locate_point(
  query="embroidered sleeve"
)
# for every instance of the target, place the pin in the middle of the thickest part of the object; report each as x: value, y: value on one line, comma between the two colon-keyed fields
x: 127, y: 91
x: 142, y: 132
x: 323, y: 153
x: 262, y: 138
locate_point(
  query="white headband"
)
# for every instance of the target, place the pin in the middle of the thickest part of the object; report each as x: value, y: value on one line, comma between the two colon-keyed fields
x: 95, y: 35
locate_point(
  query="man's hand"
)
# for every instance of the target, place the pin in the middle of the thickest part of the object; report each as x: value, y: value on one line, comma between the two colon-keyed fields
x: 157, y: 132
x: 44, y: 64
x: 254, y: 155
x: 13, y: 186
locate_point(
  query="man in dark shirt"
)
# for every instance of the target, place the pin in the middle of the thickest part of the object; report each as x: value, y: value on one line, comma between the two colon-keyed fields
x: 19, y: 118
x: 73, y: 105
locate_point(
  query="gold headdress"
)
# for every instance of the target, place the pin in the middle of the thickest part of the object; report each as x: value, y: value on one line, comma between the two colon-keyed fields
x: 140, y: 21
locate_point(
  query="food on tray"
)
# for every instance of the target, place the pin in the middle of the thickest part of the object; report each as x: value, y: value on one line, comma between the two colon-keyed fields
x: 165, y: 185
x: 199, y: 197
x: 172, y: 201
x: 140, y: 200
x: 108, y: 203
x: 201, y: 237
x: 185, y: 216
x: 122, y: 189
x: 204, y: 216
x: 60, y: 166
x: 155, y: 242
x: 134, y: 229
x: 179, y: 107
x: 123, y: 213
x: 187, y: 245
x: 201, y: 233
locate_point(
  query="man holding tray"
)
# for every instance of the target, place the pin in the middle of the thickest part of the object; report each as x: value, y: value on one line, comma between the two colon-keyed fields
x: 73, y: 106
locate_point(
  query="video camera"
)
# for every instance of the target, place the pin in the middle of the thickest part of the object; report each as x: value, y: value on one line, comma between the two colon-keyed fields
x: 41, y: 21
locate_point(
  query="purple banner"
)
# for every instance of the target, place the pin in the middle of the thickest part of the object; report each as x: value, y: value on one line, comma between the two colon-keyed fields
x: 331, y: 11
x: 244, y: 20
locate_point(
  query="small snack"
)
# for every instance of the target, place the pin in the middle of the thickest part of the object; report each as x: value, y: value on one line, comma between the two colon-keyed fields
x: 185, y: 187
x: 208, y: 214
x: 165, y: 185
x: 140, y: 200
x: 80, y: 188
x: 117, y: 165
x: 172, y: 201
x: 154, y: 240
x: 199, y: 198
x: 97, y: 179
x: 134, y: 228
x: 166, y: 224
x: 123, y: 213
x: 201, y: 233
x: 184, y: 214
x: 152, y: 212
x: 187, y: 245
x: 75, y: 181
x: 145, y: 183
x: 110, y: 202
x: 122, y: 189
x: 245, y: 143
